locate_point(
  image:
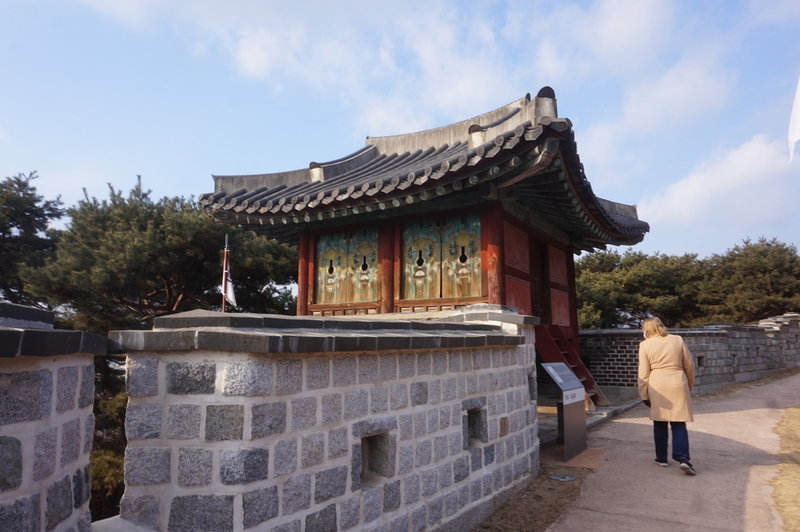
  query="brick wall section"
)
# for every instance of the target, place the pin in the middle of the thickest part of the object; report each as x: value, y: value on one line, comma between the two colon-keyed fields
x: 723, y: 354
x: 273, y: 437
x: 46, y: 423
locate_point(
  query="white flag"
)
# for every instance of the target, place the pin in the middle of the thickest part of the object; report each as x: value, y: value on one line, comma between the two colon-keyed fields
x: 230, y: 296
x: 794, y: 122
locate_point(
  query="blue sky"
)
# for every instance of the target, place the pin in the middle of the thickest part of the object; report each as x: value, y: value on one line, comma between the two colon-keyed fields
x: 679, y: 107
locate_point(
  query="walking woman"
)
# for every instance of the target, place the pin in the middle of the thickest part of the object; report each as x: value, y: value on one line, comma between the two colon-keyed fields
x: 666, y: 377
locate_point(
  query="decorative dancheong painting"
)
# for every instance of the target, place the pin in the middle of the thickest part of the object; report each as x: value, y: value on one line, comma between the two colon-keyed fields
x: 347, y: 267
x: 441, y: 258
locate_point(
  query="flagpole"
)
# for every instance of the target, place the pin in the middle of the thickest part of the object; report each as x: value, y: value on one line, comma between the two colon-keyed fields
x: 224, y: 273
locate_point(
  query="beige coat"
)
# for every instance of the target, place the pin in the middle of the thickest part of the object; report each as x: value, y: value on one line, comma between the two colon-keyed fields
x: 666, y: 376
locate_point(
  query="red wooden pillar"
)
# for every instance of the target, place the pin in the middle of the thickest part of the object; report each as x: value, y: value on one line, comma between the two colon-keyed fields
x: 386, y: 260
x: 303, y: 281
x: 492, y: 259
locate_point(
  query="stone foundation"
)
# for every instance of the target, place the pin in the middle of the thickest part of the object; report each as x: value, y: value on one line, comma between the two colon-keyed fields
x: 46, y: 422
x: 242, y: 422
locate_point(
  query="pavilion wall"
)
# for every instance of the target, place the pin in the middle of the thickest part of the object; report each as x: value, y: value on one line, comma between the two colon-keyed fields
x: 320, y: 424
x: 723, y: 354
x: 46, y: 421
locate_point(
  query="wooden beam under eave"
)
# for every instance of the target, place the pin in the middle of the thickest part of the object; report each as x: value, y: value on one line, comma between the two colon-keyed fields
x: 303, y: 279
x: 492, y: 253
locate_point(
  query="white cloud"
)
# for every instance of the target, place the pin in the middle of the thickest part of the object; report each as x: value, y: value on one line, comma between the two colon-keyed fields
x: 659, y: 107
x: 742, y: 192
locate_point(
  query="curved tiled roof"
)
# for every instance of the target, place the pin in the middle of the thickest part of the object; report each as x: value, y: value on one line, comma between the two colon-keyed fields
x: 521, y: 153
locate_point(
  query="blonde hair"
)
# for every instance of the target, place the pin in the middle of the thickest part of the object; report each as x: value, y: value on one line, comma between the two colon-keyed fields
x: 653, y: 327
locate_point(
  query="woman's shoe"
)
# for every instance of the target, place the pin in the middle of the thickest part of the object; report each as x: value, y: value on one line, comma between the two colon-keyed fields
x: 662, y: 464
x: 688, y: 469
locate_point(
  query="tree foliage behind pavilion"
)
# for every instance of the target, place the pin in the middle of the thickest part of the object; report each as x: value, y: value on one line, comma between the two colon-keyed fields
x: 751, y: 281
x: 123, y: 261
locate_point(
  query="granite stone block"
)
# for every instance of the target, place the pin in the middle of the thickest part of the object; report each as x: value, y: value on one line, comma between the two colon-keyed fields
x: 71, y: 439
x: 44, y: 453
x: 81, y: 487
x: 248, y: 378
x: 224, y: 422
x: 145, y: 466
x: 424, y: 361
x: 184, y: 378
x: 356, y: 403
x: 183, y: 421
x: 387, y: 367
x: 439, y: 363
x: 435, y: 392
x: 420, y: 423
x: 143, y: 422
x: 374, y: 425
x: 296, y: 494
x: 450, y: 503
x: 192, y: 513
x: 304, y: 413
x: 419, y: 393
x: 59, y: 502
x: 66, y: 388
x: 445, y: 475
x: 331, y: 408
x: 429, y: 481
x: 476, y: 458
x: 268, y: 419
x: 288, y: 376
x: 440, y: 447
x: 143, y: 511
x: 337, y: 443
x: 318, y: 373
x: 399, y: 396
x: 423, y: 453
x: 434, y: 511
x: 141, y: 377
x: 461, y: 468
x: 405, y: 459
x: 356, y: 466
x: 285, y: 453
x: 21, y: 515
x: 372, y: 503
x: 419, y: 519
x: 243, y: 466
x: 407, y: 366
x: 312, y: 449
x: 88, y: 433
x: 368, y: 369
x: 406, y: 426
x: 259, y: 506
x: 379, y: 399
x: 344, y: 371
x: 411, y: 489
x: 291, y: 526
x: 330, y: 483
x: 25, y: 396
x: 349, y: 513
x: 86, y: 389
x: 322, y: 521
x: 10, y: 463
x: 391, y: 496
x: 194, y: 467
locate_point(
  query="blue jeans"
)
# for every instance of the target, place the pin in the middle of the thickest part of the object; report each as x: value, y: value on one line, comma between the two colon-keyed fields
x: 680, y: 440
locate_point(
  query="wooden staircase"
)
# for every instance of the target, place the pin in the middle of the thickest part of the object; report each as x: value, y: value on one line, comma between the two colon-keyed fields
x: 553, y: 344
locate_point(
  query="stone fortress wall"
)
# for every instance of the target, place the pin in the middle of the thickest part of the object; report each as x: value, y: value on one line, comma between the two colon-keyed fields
x: 242, y: 422
x: 724, y: 354
x: 46, y: 421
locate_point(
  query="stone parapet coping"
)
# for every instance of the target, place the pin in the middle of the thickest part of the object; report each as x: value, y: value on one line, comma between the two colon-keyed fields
x: 45, y: 343
x: 267, y: 333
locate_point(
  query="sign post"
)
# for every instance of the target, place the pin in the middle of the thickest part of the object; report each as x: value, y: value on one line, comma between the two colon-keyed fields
x: 571, y: 413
